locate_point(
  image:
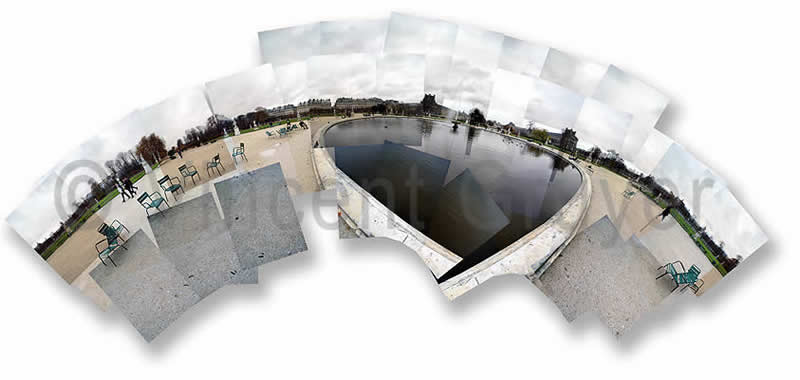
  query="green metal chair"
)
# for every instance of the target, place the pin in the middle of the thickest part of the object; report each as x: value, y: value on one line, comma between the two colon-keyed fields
x: 167, y: 185
x: 113, y: 240
x: 690, y: 277
x: 628, y: 194
x: 695, y: 271
x: 190, y: 172
x: 283, y: 132
x: 215, y: 163
x: 269, y: 134
x: 239, y: 151
x: 116, y: 227
x: 148, y: 202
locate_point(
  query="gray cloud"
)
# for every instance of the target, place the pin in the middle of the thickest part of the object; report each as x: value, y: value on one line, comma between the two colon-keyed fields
x: 407, y: 34
x: 341, y: 75
x: 287, y: 45
x: 522, y: 57
x: 437, y: 68
x: 552, y: 105
x: 401, y: 77
x: 652, y: 150
x: 37, y: 216
x: 292, y: 80
x: 579, y: 75
x: 352, y: 36
x: 244, y: 91
x: 510, y: 95
x: 688, y: 178
x: 628, y: 94
x: 728, y: 222
x: 601, y: 125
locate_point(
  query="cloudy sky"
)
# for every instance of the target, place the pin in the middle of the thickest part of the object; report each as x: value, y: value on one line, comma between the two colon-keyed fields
x: 352, y: 36
x: 292, y: 80
x: 288, y: 45
x: 688, y: 178
x: 120, y: 136
x: 437, y: 68
x: 475, y: 58
x: 601, y: 125
x: 577, y: 74
x: 552, y: 105
x: 173, y: 116
x: 728, y: 222
x: 626, y: 93
x: 242, y: 92
x: 37, y: 215
x: 407, y: 34
x: 401, y: 77
x: 522, y: 57
x: 510, y: 95
x: 342, y: 75
x: 651, y: 152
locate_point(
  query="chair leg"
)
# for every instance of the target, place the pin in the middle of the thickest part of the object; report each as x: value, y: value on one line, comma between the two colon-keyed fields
x: 662, y: 275
x: 112, y: 260
x: 676, y: 287
x: 101, y: 260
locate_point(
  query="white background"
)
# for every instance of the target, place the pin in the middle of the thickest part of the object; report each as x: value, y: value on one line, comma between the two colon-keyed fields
x: 370, y: 309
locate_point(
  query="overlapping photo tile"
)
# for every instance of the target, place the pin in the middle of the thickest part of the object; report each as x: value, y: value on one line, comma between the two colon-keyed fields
x: 432, y: 38
x: 287, y: 50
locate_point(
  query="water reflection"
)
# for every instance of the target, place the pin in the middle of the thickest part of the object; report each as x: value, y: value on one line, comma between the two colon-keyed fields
x: 472, y: 192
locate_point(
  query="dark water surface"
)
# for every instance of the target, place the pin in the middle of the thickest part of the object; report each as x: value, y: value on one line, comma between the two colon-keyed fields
x: 472, y: 191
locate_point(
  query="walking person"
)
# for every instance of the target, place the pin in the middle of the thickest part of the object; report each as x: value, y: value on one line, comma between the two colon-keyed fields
x: 664, y: 214
x: 121, y: 189
x: 129, y: 186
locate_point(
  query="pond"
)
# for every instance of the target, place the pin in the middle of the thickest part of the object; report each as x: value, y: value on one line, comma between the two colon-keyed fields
x: 470, y: 190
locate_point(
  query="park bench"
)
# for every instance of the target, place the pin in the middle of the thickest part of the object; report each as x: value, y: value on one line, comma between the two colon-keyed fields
x: 189, y: 171
x: 215, y: 163
x: 167, y: 185
x: 239, y: 151
x: 690, y: 277
x: 147, y: 201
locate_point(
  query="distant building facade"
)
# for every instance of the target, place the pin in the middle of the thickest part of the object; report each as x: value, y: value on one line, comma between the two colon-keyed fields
x: 356, y: 104
x: 568, y: 140
x: 315, y: 107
